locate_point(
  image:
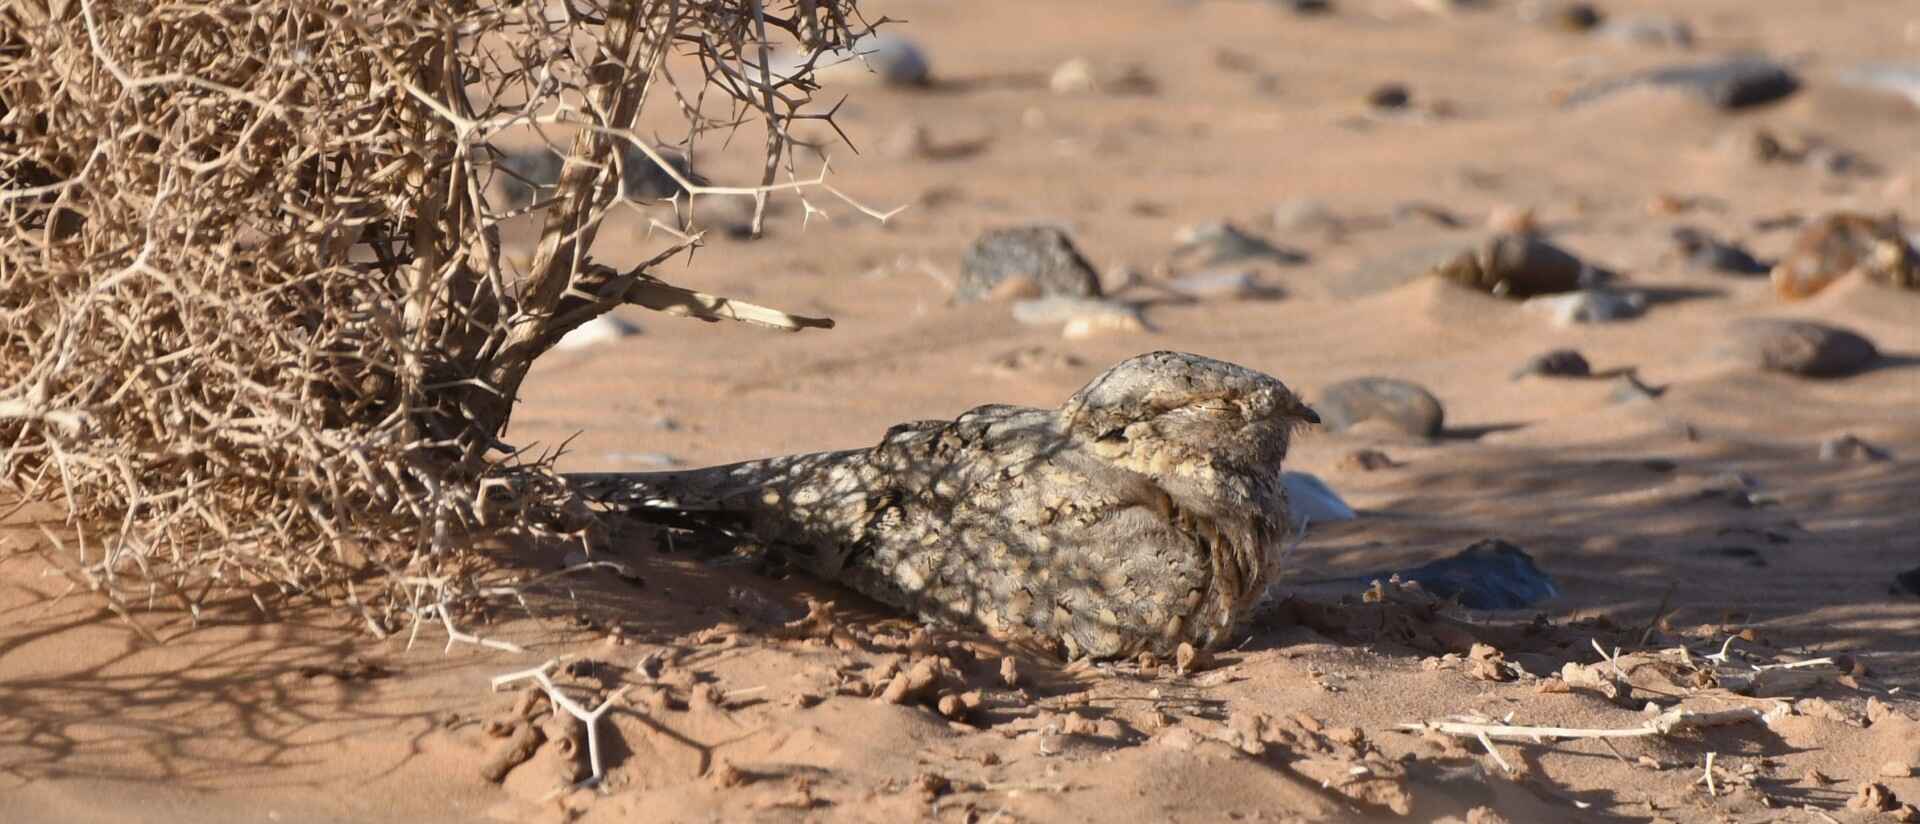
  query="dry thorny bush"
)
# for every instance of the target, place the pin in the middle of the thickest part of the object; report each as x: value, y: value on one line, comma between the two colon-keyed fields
x: 257, y: 333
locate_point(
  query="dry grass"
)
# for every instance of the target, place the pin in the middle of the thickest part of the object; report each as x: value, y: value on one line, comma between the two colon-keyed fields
x: 257, y: 332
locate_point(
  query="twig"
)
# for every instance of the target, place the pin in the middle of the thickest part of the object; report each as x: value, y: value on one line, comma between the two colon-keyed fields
x: 591, y: 718
x: 1667, y: 723
x: 1487, y: 741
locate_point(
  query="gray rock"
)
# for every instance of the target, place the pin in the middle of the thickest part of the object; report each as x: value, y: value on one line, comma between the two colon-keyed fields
x: 1030, y: 260
x: 1303, y: 214
x: 1559, y: 363
x: 882, y: 57
x: 1796, y: 347
x: 1223, y: 285
x: 1403, y: 405
x: 1309, y: 499
x: 1628, y: 388
x: 1520, y: 266
x: 643, y: 179
x: 1894, y: 78
x: 1701, y: 250
x: 1590, y: 306
x: 1657, y: 30
x: 1849, y: 448
x: 1730, y: 84
x: 525, y: 173
x: 1223, y: 242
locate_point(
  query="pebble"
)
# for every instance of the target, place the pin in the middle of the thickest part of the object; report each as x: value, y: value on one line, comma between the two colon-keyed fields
x: 1393, y: 96
x: 1041, y: 257
x: 1573, y: 17
x: 538, y: 168
x: 1559, y: 363
x: 1407, y: 407
x: 1850, y: 448
x: 1655, y: 30
x: 1310, y: 499
x: 643, y: 179
x: 1628, y: 388
x: 1520, y: 266
x: 1304, y: 214
x: 1796, y: 347
x: 1735, y: 83
x: 1840, y: 244
x: 1080, y: 317
x: 1702, y: 250
x: 1079, y: 76
x: 1222, y: 242
x: 882, y: 57
x: 1894, y: 78
x: 1223, y: 285
x: 1490, y: 574
x: 1590, y: 306
x: 603, y: 329
x: 1305, y: 6
x: 1368, y: 460
x: 1731, y: 84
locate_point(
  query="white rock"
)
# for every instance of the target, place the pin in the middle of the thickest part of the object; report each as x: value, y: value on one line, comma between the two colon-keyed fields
x: 1590, y: 306
x: 603, y: 329
x: 1073, y: 77
x: 884, y: 58
x: 1310, y: 498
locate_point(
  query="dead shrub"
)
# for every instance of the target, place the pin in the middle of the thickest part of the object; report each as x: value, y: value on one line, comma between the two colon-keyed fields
x: 257, y: 330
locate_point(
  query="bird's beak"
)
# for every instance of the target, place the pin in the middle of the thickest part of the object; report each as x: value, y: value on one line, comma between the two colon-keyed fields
x: 1308, y: 413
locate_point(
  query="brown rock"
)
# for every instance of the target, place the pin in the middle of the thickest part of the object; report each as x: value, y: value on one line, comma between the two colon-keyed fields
x: 1518, y: 266
x: 1796, y: 347
x: 1405, y: 406
x: 1841, y: 244
x: 1043, y: 255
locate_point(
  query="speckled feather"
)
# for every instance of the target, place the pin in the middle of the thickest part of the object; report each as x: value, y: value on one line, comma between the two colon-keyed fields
x: 1145, y: 512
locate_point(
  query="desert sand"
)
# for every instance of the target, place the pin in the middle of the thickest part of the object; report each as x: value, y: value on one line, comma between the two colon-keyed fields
x: 1671, y: 522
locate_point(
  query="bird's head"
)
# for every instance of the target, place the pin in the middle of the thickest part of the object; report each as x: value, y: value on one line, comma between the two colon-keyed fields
x: 1176, y: 416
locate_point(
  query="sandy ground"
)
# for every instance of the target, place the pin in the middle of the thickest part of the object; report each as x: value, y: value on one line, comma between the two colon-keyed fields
x: 728, y: 715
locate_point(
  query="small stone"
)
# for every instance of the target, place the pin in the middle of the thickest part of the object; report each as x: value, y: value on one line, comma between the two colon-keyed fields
x: 1731, y: 84
x: 882, y: 57
x: 642, y: 178
x: 1304, y: 214
x: 1559, y: 363
x: 1042, y: 255
x: 1311, y: 501
x: 1412, y: 210
x: 1701, y: 250
x: 1844, y: 243
x: 1571, y: 17
x: 1390, y: 96
x: 1873, y: 797
x: 1654, y: 30
x: 1188, y: 659
x: 1896, y: 769
x: 1010, y: 672
x: 1590, y: 306
x: 1894, y: 78
x: 1218, y: 285
x: 1628, y: 388
x: 1796, y: 347
x: 1367, y: 460
x: 1072, y: 77
x: 1909, y: 581
x: 1082, y: 317
x: 1304, y: 7
x: 1519, y: 266
x: 1407, y: 407
x: 1222, y: 243
x: 1849, y: 448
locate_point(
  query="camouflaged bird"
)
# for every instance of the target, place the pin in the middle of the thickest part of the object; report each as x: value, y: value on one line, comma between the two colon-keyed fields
x: 1145, y: 512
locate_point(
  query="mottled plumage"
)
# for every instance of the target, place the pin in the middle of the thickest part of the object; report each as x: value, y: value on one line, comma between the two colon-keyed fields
x: 1145, y: 512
